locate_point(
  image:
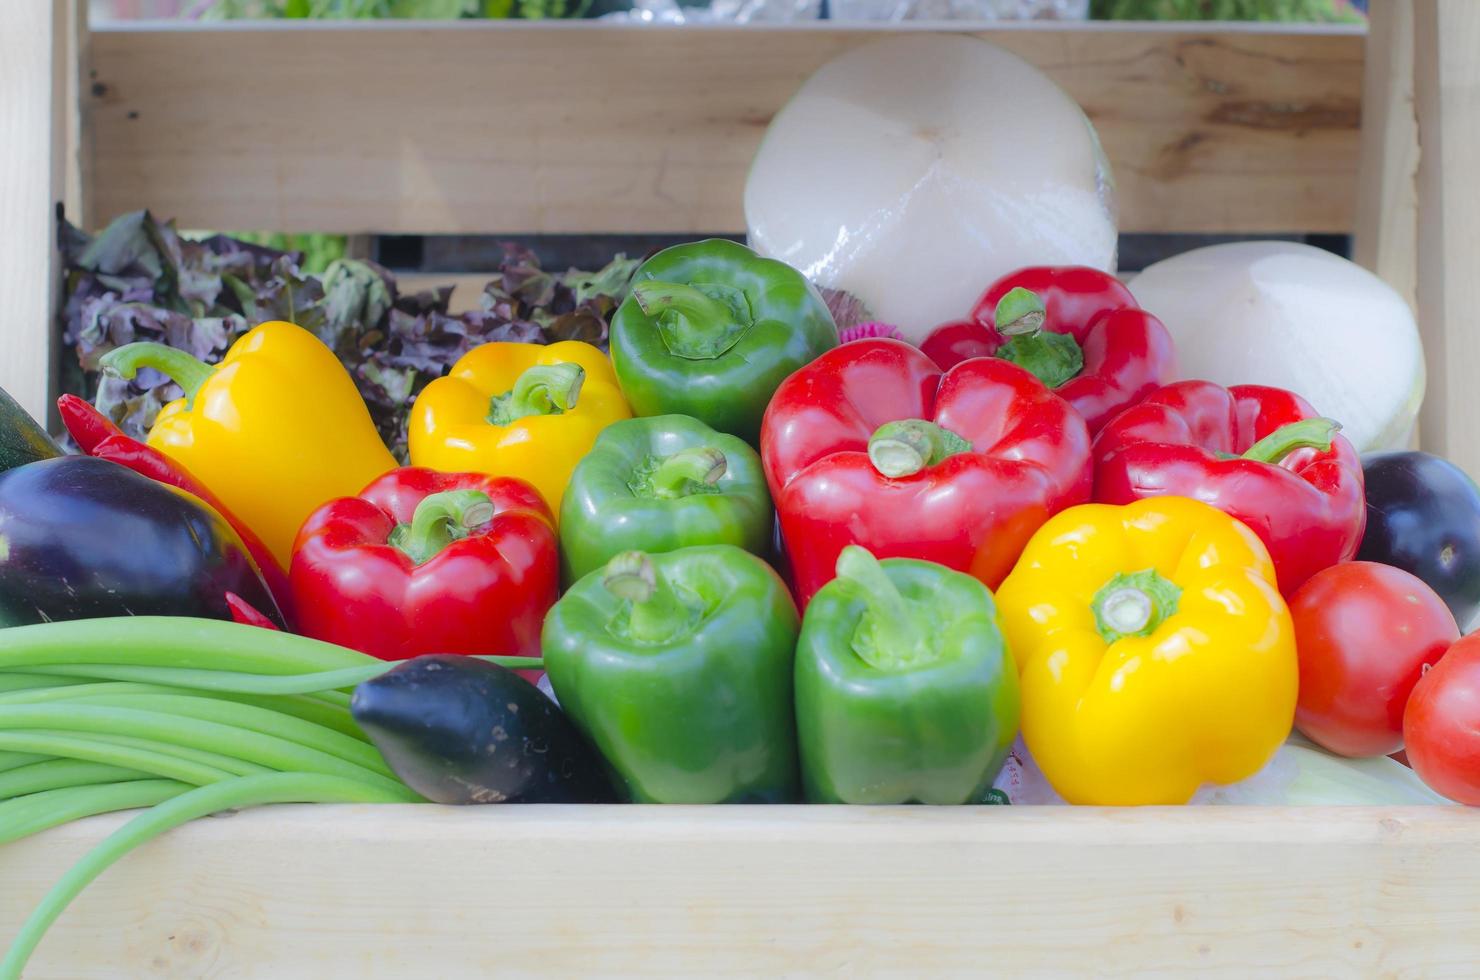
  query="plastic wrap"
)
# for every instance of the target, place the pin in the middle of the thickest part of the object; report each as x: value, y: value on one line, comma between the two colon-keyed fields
x: 900, y: 10
x: 719, y: 12
x: 1295, y: 317
x: 914, y: 171
x: 1300, y: 774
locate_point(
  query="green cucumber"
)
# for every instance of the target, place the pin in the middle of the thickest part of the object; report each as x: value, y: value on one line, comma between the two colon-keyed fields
x: 22, y: 441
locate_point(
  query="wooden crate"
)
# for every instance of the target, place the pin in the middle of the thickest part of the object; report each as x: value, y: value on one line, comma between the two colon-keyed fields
x: 490, y: 127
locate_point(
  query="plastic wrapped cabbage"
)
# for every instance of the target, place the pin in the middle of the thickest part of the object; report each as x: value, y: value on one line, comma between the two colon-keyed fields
x: 914, y: 171
x: 1299, y: 318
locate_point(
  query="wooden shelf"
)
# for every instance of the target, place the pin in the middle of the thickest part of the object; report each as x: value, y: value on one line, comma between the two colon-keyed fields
x: 756, y: 891
x: 518, y: 127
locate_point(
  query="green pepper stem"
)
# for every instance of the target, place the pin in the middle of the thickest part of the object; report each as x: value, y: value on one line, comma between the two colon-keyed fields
x: 1314, y: 433
x: 655, y: 298
x: 656, y: 614
x: 904, y: 448
x: 677, y: 473
x: 544, y: 389
x: 439, y: 520
x: 889, y: 634
x: 189, y: 372
x: 1134, y: 604
x: 1019, y: 312
x: 694, y: 320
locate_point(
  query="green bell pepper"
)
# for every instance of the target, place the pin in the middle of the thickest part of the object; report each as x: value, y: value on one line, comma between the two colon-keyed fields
x: 660, y: 484
x: 678, y: 668
x: 710, y: 329
x: 905, y: 691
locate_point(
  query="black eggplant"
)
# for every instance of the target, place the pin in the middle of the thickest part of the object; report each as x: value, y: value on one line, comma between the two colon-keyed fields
x: 82, y: 538
x: 1423, y: 516
x: 462, y: 730
x: 22, y: 441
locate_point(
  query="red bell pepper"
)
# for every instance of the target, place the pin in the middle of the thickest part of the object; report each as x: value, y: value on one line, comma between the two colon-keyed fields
x: 1262, y: 455
x: 428, y: 562
x: 1077, y: 328
x: 871, y: 444
x: 97, y: 435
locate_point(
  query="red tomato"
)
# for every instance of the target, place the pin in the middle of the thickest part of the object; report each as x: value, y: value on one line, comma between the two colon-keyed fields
x: 1442, y: 724
x: 1365, y: 634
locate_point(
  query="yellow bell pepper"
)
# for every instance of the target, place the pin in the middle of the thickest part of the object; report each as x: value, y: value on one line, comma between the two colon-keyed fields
x: 274, y: 430
x: 1154, y: 651
x: 525, y: 410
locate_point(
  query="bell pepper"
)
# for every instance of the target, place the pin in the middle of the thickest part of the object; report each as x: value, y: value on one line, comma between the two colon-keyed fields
x: 660, y: 484
x: 83, y: 538
x: 905, y: 691
x: 96, y: 435
x: 872, y: 445
x: 274, y: 430
x: 427, y: 562
x: 710, y: 329
x: 1154, y: 651
x: 1077, y: 328
x: 524, y: 410
x: 678, y: 668
x: 1260, y: 454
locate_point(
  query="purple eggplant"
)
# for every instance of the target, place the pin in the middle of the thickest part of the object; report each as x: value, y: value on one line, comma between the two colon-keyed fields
x: 82, y: 538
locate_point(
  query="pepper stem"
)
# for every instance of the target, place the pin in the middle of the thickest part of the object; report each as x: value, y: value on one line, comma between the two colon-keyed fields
x: 1306, y: 434
x: 544, y: 389
x: 1020, y: 311
x: 676, y: 474
x: 1134, y: 604
x: 655, y: 615
x: 698, y: 322
x: 439, y: 520
x: 904, y: 448
x: 189, y: 372
x: 889, y: 635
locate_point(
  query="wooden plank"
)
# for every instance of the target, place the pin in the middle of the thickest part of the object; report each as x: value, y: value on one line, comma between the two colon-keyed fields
x: 1386, y: 235
x: 466, y: 286
x: 514, y: 127
x: 766, y: 891
x: 1447, y: 89
x: 33, y: 131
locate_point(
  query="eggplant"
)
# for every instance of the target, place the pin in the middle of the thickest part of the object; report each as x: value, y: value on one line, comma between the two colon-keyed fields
x: 82, y: 538
x: 1423, y: 516
x: 462, y: 730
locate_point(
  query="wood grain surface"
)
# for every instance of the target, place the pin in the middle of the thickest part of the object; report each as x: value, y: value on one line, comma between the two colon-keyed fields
x: 509, y: 127
x: 331, y: 891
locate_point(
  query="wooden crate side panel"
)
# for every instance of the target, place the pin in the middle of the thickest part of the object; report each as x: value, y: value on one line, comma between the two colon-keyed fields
x: 1447, y: 95
x: 506, y: 127
x: 740, y: 891
x: 33, y: 144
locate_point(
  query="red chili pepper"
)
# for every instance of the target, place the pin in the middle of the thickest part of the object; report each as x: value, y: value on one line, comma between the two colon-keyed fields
x: 1259, y: 454
x: 1077, y: 328
x: 246, y: 614
x: 429, y: 562
x: 871, y: 444
x: 96, y: 435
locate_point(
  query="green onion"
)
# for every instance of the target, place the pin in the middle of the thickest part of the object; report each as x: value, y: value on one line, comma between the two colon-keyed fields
x: 168, y: 641
x: 39, y: 777
x: 32, y: 814
x: 68, y: 746
x: 186, y: 716
x: 268, y: 750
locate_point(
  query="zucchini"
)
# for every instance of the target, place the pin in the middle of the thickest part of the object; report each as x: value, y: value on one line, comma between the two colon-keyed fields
x: 22, y: 440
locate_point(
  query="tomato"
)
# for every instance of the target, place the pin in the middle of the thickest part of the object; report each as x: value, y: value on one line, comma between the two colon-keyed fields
x: 1365, y: 633
x: 1442, y: 724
